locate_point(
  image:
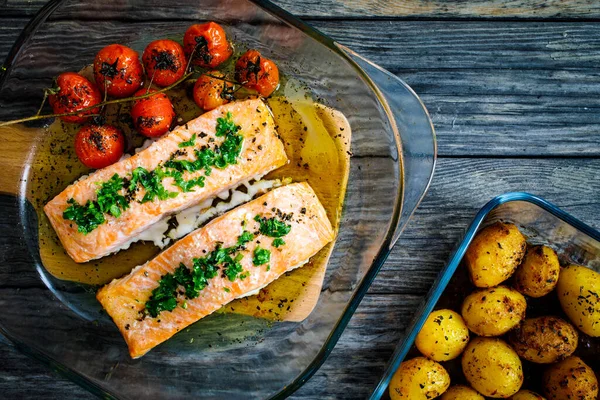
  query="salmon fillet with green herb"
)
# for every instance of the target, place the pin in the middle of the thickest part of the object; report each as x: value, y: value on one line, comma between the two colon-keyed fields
x: 98, y: 215
x: 232, y: 256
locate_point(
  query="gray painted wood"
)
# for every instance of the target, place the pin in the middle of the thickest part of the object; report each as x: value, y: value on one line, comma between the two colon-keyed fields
x: 521, y: 9
x: 500, y: 89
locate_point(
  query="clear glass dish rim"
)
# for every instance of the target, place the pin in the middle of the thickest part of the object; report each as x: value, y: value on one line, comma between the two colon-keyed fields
x: 385, y: 248
x: 446, y: 274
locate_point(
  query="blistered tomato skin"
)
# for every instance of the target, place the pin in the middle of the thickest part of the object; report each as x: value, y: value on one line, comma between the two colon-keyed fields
x: 207, y: 45
x: 211, y: 92
x: 118, y: 70
x: 152, y: 116
x: 256, y: 72
x: 164, y: 61
x: 75, y: 92
x: 98, y: 146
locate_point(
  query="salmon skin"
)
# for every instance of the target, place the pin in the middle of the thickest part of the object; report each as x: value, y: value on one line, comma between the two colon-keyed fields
x: 261, y: 152
x: 295, y: 205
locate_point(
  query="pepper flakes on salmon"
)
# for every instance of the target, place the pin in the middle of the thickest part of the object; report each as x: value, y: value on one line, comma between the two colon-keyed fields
x: 308, y: 231
x: 261, y: 152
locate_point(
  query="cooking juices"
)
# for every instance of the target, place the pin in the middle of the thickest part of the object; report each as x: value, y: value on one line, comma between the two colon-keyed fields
x: 317, y: 143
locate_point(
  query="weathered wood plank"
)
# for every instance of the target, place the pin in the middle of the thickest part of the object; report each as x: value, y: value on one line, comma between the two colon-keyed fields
x: 459, y: 189
x: 522, y: 9
x: 492, y: 88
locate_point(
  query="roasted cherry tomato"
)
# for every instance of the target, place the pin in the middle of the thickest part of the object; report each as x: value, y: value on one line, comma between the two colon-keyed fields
x: 118, y: 69
x: 211, y: 92
x: 208, y: 43
x: 74, y: 92
x: 152, y: 116
x: 164, y: 61
x: 98, y: 146
x: 257, y: 72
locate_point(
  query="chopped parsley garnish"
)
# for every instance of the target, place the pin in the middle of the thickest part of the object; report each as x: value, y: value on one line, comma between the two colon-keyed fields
x: 272, y: 227
x: 194, y: 280
x: 188, y: 143
x: 278, y: 242
x: 152, y: 182
x: 87, y: 217
x: 245, y: 237
x: 261, y: 256
x: 109, y: 200
x: 226, y: 126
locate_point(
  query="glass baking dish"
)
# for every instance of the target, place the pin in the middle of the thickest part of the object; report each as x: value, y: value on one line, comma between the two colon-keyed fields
x: 542, y: 223
x: 222, y: 356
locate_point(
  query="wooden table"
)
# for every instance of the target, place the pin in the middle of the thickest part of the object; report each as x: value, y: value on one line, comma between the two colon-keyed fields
x: 513, y: 88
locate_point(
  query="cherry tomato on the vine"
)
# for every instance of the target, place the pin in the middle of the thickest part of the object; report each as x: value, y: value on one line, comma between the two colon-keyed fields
x: 164, y: 61
x: 74, y: 92
x: 118, y: 69
x: 98, y: 146
x: 256, y: 72
x: 207, y: 44
x: 152, y: 116
x: 212, y: 91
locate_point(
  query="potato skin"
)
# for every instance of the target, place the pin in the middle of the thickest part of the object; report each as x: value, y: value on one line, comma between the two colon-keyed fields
x: 538, y: 273
x: 494, y: 254
x: 527, y: 395
x: 494, y: 311
x: 461, y: 392
x: 544, y: 340
x: 443, y: 336
x: 578, y: 291
x: 419, y: 379
x: 570, y: 379
x: 492, y: 367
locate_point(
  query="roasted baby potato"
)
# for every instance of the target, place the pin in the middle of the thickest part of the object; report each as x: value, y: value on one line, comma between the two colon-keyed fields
x: 526, y: 395
x: 492, y: 367
x: 494, y: 254
x: 443, y: 336
x: 538, y: 273
x: 493, y: 312
x: 544, y: 340
x: 461, y: 392
x: 578, y: 291
x: 570, y: 379
x: 419, y: 379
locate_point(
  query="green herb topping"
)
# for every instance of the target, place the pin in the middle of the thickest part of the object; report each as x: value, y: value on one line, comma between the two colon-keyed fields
x: 188, y: 143
x: 110, y: 200
x: 278, y: 242
x: 194, y: 280
x: 261, y: 256
x: 272, y: 227
x: 89, y: 216
x: 226, y: 260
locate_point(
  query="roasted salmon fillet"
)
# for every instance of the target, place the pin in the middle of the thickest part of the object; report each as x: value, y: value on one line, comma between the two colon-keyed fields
x: 232, y: 256
x: 95, y: 217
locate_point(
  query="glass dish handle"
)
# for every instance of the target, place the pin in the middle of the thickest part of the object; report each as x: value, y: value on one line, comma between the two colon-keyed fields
x: 418, y: 148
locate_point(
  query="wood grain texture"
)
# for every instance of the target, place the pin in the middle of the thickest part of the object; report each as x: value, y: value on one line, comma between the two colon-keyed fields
x: 493, y: 89
x: 521, y: 9
x: 501, y: 88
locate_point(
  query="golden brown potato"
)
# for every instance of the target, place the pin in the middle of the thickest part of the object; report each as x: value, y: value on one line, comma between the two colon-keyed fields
x: 527, y: 395
x: 538, y: 274
x: 493, y: 312
x: 419, y: 378
x: 492, y: 367
x: 494, y: 254
x: 443, y: 336
x: 461, y: 392
x: 570, y: 379
x: 544, y: 340
x: 578, y: 291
